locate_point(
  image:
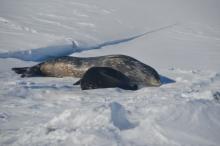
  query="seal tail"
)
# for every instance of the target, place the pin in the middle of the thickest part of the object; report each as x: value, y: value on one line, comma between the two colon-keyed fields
x: 28, y: 71
x: 20, y: 70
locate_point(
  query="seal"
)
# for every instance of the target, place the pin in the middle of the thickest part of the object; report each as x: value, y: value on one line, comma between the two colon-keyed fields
x: 138, y: 72
x: 105, y: 77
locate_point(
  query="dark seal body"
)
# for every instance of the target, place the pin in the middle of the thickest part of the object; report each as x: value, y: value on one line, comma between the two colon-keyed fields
x: 138, y: 72
x: 105, y: 77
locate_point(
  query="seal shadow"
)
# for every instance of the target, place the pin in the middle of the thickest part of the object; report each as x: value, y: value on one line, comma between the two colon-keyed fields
x: 166, y: 80
x: 48, y: 86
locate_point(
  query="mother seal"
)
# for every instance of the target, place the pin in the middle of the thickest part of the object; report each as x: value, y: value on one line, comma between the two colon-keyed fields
x: 138, y: 72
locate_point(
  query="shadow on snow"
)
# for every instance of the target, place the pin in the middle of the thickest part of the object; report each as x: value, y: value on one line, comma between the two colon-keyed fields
x: 166, y: 80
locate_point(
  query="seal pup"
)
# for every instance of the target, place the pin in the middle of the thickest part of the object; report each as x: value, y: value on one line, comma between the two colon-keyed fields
x: 138, y: 72
x: 105, y: 77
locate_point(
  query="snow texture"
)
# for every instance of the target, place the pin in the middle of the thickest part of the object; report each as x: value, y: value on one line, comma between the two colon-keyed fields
x: 180, y: 39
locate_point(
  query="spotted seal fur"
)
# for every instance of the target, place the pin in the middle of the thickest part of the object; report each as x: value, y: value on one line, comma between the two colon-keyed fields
x: 138, y: 72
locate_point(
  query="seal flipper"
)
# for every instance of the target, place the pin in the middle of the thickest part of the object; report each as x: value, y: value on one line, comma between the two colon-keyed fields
x: 20, y: 70
x: 77, y: 83
x: 28, y: 71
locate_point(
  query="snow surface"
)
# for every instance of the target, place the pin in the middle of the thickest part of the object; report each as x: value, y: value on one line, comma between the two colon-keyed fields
x: 180, y: 39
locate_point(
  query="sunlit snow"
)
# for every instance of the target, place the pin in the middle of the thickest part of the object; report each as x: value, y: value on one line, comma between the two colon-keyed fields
x: 184, y: 111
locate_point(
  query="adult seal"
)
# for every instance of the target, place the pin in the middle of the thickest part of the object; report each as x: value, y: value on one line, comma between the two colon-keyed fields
x: 105, y: 77
x: 138, y: 72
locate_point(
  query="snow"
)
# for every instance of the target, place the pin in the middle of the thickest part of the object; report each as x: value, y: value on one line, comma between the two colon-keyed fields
x: 51, y: 111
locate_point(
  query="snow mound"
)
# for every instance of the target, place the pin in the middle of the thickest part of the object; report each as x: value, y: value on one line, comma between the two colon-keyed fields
x: 118, y: 117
